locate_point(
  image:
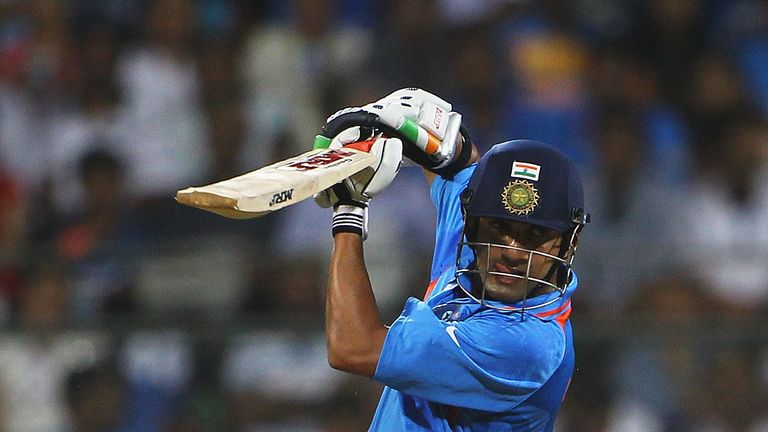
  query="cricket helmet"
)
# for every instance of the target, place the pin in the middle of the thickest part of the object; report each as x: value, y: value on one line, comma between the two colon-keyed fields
x: 529, y: 182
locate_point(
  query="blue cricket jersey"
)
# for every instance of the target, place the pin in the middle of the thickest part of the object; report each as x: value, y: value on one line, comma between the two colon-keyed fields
x: 451, y: 364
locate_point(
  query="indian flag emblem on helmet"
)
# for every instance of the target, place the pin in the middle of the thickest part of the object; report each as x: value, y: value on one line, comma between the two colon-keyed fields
x: 525, y: 170
x: 520, y: 197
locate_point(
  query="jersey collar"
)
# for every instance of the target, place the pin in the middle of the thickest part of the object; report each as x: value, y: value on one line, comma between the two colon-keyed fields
x: 534, y: 304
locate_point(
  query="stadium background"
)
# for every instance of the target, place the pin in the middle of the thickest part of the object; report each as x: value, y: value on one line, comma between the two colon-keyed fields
x: 123, y: 311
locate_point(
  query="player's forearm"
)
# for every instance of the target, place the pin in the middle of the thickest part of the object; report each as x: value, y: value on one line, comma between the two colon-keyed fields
x: 354, y: 331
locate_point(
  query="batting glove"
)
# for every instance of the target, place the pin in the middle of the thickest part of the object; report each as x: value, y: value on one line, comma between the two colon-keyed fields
x: 351, y: 197
x: 423, y: 120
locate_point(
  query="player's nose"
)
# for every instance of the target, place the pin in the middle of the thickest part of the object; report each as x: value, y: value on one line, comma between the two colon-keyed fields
x: 514, y: 253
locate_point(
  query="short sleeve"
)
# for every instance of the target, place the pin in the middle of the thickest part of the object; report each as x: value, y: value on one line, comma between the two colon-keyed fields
x: 490, y: 362
x: 445, y: 195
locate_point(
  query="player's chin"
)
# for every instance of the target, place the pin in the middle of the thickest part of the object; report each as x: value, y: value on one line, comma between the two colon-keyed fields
x: 505, y: 288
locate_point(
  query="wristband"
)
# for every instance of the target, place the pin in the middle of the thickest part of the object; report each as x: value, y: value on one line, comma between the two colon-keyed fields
x: 461, y: 160
x: 350, y: 218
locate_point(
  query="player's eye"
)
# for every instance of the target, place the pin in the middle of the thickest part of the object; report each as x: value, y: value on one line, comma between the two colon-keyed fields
x: 538, y: 237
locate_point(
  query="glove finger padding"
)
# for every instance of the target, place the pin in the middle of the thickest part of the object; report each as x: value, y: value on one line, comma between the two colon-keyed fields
x: 418, y: 96
x: 327, y: 198
x: 427, y: 109
x: 436, y: 129
x: 425, y: 123
x: 351, y: 135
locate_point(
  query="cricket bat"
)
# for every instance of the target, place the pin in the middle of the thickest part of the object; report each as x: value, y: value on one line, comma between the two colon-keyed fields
x: 279, y: 185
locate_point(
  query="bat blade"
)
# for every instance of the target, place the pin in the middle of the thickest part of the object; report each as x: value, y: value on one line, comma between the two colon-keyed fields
x: 276, y: 186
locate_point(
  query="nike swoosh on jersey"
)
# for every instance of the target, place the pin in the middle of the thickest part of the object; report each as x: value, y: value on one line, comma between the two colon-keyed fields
x: 451, y: 330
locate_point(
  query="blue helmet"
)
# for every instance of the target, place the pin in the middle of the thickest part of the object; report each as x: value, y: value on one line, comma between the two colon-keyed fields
x: 532, y: 183
x: 527, y: 181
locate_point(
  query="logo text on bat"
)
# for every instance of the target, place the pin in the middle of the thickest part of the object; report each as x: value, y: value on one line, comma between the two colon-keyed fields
x: 320, y: 160
x: 281, y: 197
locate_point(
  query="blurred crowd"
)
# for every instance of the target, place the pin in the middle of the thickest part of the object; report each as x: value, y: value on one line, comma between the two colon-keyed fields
x: 121, y: 310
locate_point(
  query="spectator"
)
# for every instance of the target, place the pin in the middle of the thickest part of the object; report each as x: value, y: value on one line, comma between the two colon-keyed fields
x: 715, y: 94
x: 411, y: 33
x: 621, y: 80
x: 161, y: 88
x: 476, y: 80
x: 549, y: 101
x: 722, y: 229
x: 735, y: 372
x: 294, y: 73
x: 742, y: 29
x: 657, y: 373
x: 96, y: 400
x: 35, y: 362
x: 156, y: 367
x: 96, y: 118
x: 37, y: 62
x: 623, y: 190
x: 669, y: 35
x: 264, y: 394
x: 224, y: 111
x: 14, y: 242
x: 99, y: 243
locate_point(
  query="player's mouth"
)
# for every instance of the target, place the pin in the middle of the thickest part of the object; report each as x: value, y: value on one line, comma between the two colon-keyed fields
x: 507, y: 280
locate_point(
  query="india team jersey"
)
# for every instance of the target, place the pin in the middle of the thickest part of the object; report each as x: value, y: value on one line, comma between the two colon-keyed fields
x: 451, y: 364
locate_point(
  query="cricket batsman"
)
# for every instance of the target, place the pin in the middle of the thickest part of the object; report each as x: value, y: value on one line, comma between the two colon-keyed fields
x: 490, y: 346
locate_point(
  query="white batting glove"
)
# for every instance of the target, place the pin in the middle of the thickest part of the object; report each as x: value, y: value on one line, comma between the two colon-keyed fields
x: 366, y: 184
x: 438, y: 126
x: 350, y: 198
x: 422, y: 120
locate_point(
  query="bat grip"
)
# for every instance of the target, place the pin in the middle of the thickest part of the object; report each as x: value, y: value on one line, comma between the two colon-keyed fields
x: 321, y: 142
x: 427, y: 142
x: 367, y: 120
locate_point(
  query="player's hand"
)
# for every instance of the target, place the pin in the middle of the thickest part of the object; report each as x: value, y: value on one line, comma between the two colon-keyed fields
x: 430, y: 130
x: 366, y: 184
x: 425, y: 119
x: 350, y: 197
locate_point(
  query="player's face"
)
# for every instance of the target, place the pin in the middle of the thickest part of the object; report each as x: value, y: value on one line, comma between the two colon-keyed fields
x: 513, y: 259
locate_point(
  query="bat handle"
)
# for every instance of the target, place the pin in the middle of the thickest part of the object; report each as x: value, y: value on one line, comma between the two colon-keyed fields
x: 419, y: 145
x: 427, y: 142
x: 321, y: 142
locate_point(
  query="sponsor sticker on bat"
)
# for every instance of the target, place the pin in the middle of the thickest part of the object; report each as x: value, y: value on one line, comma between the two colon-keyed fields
x: 281, y: 197
x: 324, y: 159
